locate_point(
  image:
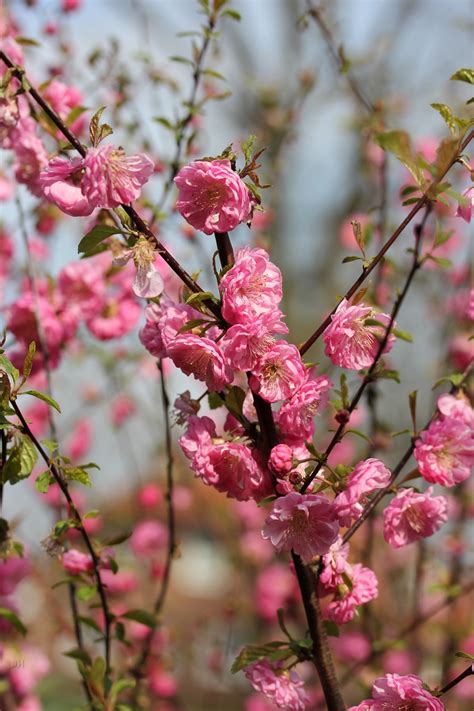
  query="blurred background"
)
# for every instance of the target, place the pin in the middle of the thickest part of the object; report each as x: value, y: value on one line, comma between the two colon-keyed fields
x: 324, y: 167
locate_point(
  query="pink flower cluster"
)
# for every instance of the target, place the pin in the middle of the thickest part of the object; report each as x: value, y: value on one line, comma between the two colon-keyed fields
x: 285, y: 689
x: 352, y: 343
x: 350, y: 585
x: 88, y: 291
x: 230, y: 466
x: 304, y: 523
x: 445, y: 451
x: 212, y: 197
x: 399, y: 693
x: 105, y: 178
x: 368, y: 476
x: 411, y: 516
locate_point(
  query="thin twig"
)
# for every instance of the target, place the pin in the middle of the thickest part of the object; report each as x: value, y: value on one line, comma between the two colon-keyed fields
x: 59, y: 479
x: 425, y: 200
x: 139, y: 223
x: 416, y: 264
x: 137, y: 668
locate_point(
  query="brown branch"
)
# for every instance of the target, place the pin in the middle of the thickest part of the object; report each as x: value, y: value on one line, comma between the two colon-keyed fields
x: 467, y: 672
x: 368, y: 378
x: 316, y: 15
x: 60, y: 481
x: 139, y: 223
x: 321, y: 654
x: 137, y: 669
x: 422, y: 202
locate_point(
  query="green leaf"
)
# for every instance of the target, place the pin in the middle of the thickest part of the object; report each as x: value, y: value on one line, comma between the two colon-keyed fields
x: 200, y: 296
x: 97, y: 235
x: 181, y: 60
x: 465, y: 74
x: 28, y: 362
x: 440, y: 261
x: 447, y: 116
x: 252, y: 653
x: 213, y: 73
x: 43, y: 397
x: 399, y: 143
x: 5, y: 393
x: 77, y: 474
x: 27, y: 41
x: 98, y: 131
x: 165, y: 122
x: 90, y: 622
x: 464, y: 655
x: 332, y: 629
x: 389, y: 375
x: 234, y: 400
x: 80, y: 654
x: 43, y: 481
x: 119, y: 686
x: 13, y: 620
x: 248, y: 146
x: 86, y: 592
x: 352, y: 258
x: 214, y: 400
x: 62, y: 526
x: 22, y: 459
x: 74, y: 114
x: 193, y: 323
x: 8, y: 368
x: 403, y: 335
x: 142, y: 616
x: 233, y: 14
x: 455, y: 379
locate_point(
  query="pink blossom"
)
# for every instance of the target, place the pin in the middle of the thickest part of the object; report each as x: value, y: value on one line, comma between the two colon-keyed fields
x: 201, y: 357
x: 150, y: 496
x: 399, y: 693
x: 80, y: 439
x: 367, y: 476
x: 82, y: 287
x: 161, y: 682
x: 6, y: 188
x: 115, y: 319
x: 349, y: 342
x: 60, y: 181
x: 461, y: 350
x: 122, y: 408
x: 163, y: 321
x: 147, y: 283
x: 23, y: 678
x: 364, y: 589
x: 276, y: 587
x: 465, y: 210
x: 31, y: 158
x: 445, y: 451
x: 231, y: 468
x: 71, y: 5
x: 121, y: 583
x: 301, y: 522
x: 399, y: 661
x: 284, y: 688
x: 281, y: 459
x: 296, y: 416
x: 75, y: 562
x: 251, y: 288
x: 351, y: 646
x: 63, y: 99
x: 12, y: 571
x: 112, y: 178
x: 148, y: 538
x: 212, y: 197
x: 244, y: 344
x: 334, y: 565
x: 411, y: 516
x: 279, y: 373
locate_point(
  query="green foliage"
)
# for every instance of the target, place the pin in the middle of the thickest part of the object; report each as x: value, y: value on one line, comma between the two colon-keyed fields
x: 466, y: 75
x: 98, y: 131
x: 399, y: 143
x: 141, y: 616
x: 42, y: 396
x: 95, y: 236
x: 21, y: 460
x: 13, y: 620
